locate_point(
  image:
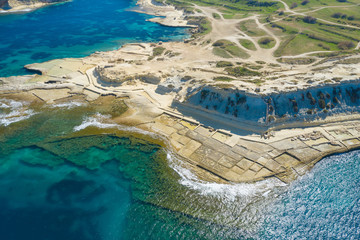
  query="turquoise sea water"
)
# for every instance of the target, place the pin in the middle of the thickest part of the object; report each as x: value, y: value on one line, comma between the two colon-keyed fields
x: 69, y: 173
x: 74, y: 29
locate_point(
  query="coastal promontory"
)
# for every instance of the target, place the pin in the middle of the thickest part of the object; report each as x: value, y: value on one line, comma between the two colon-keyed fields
x: 21, y: 5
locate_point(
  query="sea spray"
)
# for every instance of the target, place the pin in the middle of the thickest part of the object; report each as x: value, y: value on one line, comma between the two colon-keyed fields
x: 14, y: 111
x: 104, y: 121
x: 228, y: 192
x: 96, y: 120
x: 67, y: 105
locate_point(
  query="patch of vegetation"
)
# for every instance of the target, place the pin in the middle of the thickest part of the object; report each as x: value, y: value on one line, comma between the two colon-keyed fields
x: 216, y: 16
x: 232, y: 6
x: 224, y: 86
x: 247, y: 44
x: 266, y: 42
x: 274, y: 65
x: 230, y: 48
x: 314, y: 3
x: 293, y: 5
x: 171, y: 54
x: 204, y: 25
x: 349, y: 61
x: 221, y: 64
x: 255, y: 67
x: 301, y: 37
x: 221, y: 52
x: 241, y: 71
x: 305, y: 2
x: 157, y: 51
x: 297, y: 61
x: 342, y: 15
x: 332, y: 55
x: 345, y: 45
x: 251, y: 28
x: 257, y: 82
x: 309, y: 19
x: 224, y: 79
x: 295, y: 45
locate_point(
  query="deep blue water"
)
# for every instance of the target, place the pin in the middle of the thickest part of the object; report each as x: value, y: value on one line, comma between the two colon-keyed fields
x: 74, y: 29
x: 324, y: 204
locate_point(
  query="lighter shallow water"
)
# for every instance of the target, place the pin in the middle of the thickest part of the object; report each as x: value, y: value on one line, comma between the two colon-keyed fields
x: 62, y: 186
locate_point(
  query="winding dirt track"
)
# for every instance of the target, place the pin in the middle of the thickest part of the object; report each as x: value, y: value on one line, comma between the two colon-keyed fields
x: 228, y: 29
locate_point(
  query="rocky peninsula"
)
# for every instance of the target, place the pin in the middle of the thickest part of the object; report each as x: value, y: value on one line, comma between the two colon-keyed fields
x: 232, y: 113
x: 9, y: 6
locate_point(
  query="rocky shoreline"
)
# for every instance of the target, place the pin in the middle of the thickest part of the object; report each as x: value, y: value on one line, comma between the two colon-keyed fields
x: 14, y: 6
x: 168, y: 15
x: 215, y: 154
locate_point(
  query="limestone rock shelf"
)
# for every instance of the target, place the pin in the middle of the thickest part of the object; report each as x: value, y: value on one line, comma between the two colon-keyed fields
x: 230, y: 157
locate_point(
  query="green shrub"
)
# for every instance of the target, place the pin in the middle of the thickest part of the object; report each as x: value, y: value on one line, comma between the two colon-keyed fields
x: 322, y: 104
x: 224, y: 79
x: 309, y: 19
x: 241, y: 71
x: 294, y: 5
x: 345, y: 45
x: 336, y: 15
x: 158, y: 51
x: 265, y: 40
x: 305, y: 2
x: 224, y: 64
x: 216, y: 16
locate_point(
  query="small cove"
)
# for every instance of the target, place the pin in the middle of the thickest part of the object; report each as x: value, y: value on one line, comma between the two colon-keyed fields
x: 74, y: 29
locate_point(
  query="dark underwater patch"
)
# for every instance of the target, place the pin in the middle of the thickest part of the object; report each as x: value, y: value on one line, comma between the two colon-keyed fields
x: 40, y: 55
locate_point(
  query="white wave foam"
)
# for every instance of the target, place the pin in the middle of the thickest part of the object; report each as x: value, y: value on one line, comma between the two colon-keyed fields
x: 104, y: 121
x: 67, y: 105
x: 228, y: 191
x: 18, y: 111
x: 95, y: 121
x: 26, y: 10
x: 3, y: 105
x: 16, y: 11
x: 9, y: 103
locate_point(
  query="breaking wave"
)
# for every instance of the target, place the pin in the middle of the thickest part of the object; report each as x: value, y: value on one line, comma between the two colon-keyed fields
x: 67, y: 105
x: 104, y: 121
x: 98, y: 120
x: 12, y: 111
x: 230, y: 192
